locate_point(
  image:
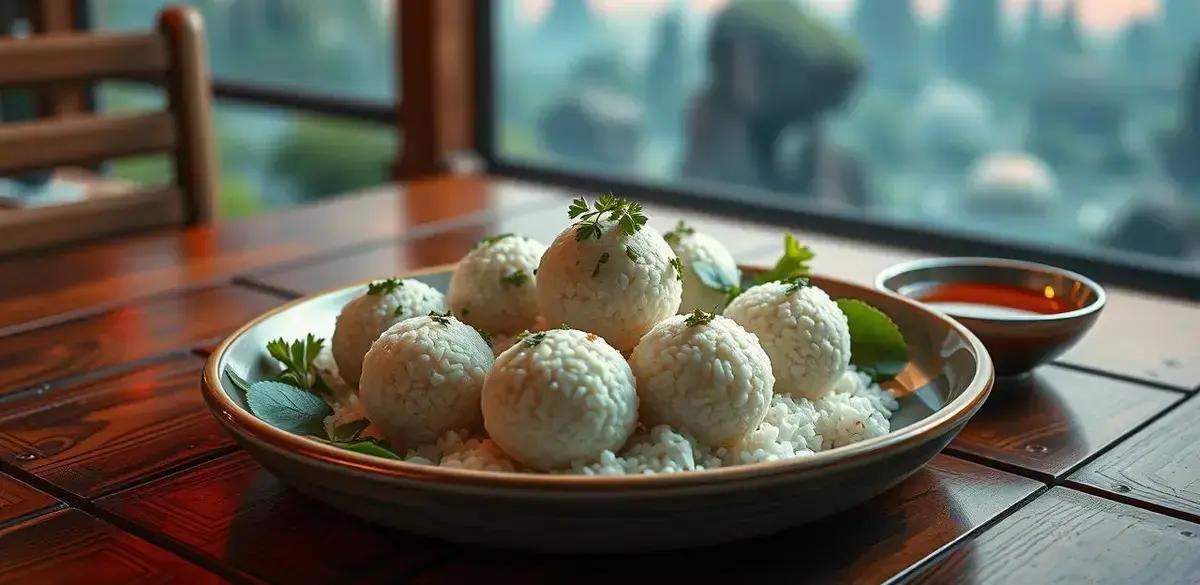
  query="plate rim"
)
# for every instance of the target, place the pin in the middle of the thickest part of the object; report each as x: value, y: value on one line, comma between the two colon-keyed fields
x: 241, y: 422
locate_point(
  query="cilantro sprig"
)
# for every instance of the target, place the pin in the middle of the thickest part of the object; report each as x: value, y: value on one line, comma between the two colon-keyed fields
x: 440, y: 318
x: 627, y: 215
x: 383, y: 287
x: 698, y: 317
x: 677, y: 264
x: 515, y: 278
x: 794, y: 262
x: 489, y: 240
x: 531, y: 339
x: 681, y: 229
x: 297, y: 360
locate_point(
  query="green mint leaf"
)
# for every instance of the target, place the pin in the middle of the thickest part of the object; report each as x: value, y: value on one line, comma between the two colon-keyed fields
x: 794, y: 262
x: 516, y: 278
x: 489, y: 240
x: 383, y: 287
x: 877, y: 347
x: 366, y: 447
x: 698, y: 317
x: 288, y: 408
x: 349, y: 431
x: 237, y: 380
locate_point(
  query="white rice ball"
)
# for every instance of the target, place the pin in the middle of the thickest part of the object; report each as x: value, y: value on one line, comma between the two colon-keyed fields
x: 559, y: 397
x: 363, y: 319
x: 423, y: 377
x: 493, y: 286
x: 712, y: 379
x: 617, y: 286
x: 803, y: 331
x: 693, y: 247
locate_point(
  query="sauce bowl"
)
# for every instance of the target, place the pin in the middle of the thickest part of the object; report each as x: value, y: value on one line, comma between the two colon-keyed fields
x: 1018, y: 341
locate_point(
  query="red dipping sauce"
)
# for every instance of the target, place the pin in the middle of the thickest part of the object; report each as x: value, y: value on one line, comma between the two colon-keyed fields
x: 992, y: 301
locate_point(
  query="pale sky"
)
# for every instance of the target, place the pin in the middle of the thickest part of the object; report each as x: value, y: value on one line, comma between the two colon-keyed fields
x: 1096, y: 16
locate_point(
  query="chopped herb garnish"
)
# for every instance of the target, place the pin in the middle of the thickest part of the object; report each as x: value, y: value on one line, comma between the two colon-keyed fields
x: 486, y: 338
x: 297, y: 361
x: 627, y: 214
x: 631, y: 254
x: 383, y: 287
x: 678, y: 265
x: 564, y: 326
x: 531, y: 339
x: 516, y: 278
x: 603, y: 260
x: 794, y: 262
x: 698, y: 317
x: 795, y: 283
x: 681, y: 229
x: 489, y: 240
x: 440, y: 318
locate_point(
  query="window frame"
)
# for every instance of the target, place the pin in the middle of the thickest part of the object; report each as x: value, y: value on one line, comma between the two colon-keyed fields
x: 1131, y: 270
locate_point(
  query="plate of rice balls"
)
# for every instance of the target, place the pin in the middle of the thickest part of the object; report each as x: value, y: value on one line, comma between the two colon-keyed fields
x: 617, y: 389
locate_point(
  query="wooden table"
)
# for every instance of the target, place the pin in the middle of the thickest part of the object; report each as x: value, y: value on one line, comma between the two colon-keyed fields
x: 112, y: 470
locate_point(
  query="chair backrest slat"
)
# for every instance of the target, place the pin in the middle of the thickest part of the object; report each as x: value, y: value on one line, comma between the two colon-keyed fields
x: 83, y: 139
x: 69, y: 57
x: 57, y: 223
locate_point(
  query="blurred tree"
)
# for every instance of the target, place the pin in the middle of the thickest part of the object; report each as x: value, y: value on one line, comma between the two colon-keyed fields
x: 663, y: 84
x: 1068, y: 39
x: 971, y: 43
x: 322, y: 157
x: 1183, y: 146
x: 889, y: 33
x: 1034, y: 63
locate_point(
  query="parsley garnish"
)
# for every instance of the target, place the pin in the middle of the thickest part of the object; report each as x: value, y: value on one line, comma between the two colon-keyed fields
x: 626, y: 213
x: 486, y: 338
x: 698, y: 317
x: 440, y: 318
x: 603, y: 260
x: 794, y: 262
x: 297, y: 360
x: 516, y: 278
x: 489, y: 240
x: 678, y: 265
x: 382, y: 287
x: 629, y: 253
x: 795, y: 283
x: 531, y: 339
x: 681, y: 229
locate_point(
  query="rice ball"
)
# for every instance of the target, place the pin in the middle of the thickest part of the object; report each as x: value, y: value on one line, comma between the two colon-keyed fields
x: 616, y: 286
x: 802, y: 330
x: 705, y: 375
x: 362, y: 320
x: 559, y: 397
x: 493, y: 286
x: 693, y: 247
x: 423, y: 377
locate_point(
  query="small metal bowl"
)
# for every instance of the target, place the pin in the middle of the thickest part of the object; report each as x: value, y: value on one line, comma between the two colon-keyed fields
x: 1017, y: 343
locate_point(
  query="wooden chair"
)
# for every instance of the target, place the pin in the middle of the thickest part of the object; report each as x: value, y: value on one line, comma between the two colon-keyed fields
x: 173, y: 55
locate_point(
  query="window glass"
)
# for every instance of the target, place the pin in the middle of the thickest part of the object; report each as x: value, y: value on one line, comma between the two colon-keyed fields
x: 1060, y: 122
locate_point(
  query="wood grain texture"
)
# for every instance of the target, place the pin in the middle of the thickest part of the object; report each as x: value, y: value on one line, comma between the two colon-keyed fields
x: 867, y: 544
x: 19, y: 500
x: 74, y: 56
x: 56, y: 285
x: 1159, y: 467
x: 95, y: 438
x: 1049, y: 424
x: 132, y: 332
x: 72, y: 547
x: 235, y: 512
x: 1065, y: 536
x: 82, y: 139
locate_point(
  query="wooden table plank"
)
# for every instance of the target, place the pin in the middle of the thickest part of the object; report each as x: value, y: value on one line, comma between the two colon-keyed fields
x: 132, y: 332
x: 1159, y: 467
x: 19, y: 500
x: 867, y: 544
x: 97, y: 437
x: 1049, y: 424
x: 233, y: 511
x: 53, y: 285
x: 1065, y: 536
x: 71, y: 547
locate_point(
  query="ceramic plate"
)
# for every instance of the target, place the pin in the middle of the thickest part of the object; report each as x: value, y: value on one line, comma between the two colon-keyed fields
x: 947, y: 379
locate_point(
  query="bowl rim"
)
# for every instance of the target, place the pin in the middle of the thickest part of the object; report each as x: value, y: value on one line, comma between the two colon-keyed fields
x: 241, y: 422
x: 1098, y: 303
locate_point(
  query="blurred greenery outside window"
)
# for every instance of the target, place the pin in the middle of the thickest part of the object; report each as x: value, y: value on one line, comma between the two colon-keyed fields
x: 1067, y: 123
x: 272, y: 156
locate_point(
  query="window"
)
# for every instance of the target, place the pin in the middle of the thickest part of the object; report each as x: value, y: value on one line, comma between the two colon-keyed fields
x: 1067, y: 125
x: 306, y: 94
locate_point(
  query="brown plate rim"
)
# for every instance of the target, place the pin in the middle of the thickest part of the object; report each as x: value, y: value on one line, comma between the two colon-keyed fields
x: 242, y: 422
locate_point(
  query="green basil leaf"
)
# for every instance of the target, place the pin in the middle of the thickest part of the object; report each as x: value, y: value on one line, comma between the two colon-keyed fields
x: 877, y: 347
x: 367, y: 447
x: 288, y: 408
x: 349, y: 431
x: 237, y: 380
